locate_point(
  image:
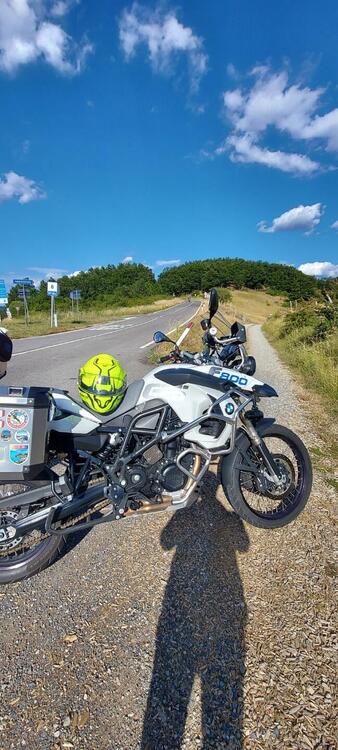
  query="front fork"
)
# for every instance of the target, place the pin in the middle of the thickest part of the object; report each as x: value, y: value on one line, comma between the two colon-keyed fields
x: 268, y: 459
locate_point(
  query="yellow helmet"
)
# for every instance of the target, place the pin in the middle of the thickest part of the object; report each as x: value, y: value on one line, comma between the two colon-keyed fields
x: 102, y: 383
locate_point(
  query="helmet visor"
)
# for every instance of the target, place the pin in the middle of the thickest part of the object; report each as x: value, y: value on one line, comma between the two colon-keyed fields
x: 102, y: 385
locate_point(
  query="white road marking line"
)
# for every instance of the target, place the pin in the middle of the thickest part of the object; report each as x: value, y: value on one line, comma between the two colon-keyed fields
x: 72, y: 341
x: 82, y: 338
x: 174, y: 329
x: 93, y: 328
x: 113, y: 327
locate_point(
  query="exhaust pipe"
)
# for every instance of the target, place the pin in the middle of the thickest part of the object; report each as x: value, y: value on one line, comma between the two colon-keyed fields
x: 46, y: 518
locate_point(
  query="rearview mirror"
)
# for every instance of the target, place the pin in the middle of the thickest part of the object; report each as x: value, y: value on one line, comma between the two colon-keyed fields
x: 160, y: 337
x: 213, y: 303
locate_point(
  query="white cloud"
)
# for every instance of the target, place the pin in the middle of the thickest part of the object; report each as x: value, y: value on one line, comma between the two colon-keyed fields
x: 128, y: 259
x: 27, y: 34
x: 76, y: 273
x: 61, y: 7
x: 160, y: 263
x: 271, y: 102
x: 301, y: 218
x: 46, y: 272
x: 335, y: 225
x: 232, y: 72
x: 244, y: 150
x: 233, y: 100
x: 293, y: 110
x: 13, y: 185
x: 321, y: 268
x: 165, y: 38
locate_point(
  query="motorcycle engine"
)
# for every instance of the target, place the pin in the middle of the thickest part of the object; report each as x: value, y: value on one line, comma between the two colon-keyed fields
x: 158, y: 471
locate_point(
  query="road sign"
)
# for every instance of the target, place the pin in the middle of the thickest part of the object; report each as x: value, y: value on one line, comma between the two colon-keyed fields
x: 24, y: 290
x: 53, y: 292
x: 52, y: 289
x: 3, y: 294
x: 75, y: 294
x: 23, y: 282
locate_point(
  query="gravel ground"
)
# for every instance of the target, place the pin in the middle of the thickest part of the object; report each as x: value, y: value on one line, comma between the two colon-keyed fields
x: 191, y: 631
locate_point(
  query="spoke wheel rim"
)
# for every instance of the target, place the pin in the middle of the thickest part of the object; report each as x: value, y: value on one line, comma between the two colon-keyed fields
x: 17, y: 551
x: 269, y: 505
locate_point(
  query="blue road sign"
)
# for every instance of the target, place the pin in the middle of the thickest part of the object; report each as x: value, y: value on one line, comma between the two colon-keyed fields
x: 75, y: 294
x: 23, y: 282
x: 53, y: 289
x: 3, y: 294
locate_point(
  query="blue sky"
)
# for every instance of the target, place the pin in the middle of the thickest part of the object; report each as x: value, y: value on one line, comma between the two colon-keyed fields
x: 167, y: 133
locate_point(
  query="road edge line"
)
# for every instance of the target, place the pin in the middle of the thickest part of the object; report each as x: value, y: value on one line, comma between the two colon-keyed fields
x: 152, y: 343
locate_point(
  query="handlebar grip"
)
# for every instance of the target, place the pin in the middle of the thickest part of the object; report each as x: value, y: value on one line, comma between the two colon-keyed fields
x: 188, y: 355
x: 166, y: 358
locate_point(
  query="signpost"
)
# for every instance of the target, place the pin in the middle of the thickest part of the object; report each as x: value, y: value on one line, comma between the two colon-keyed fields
x: 23, y: 293
x: 52, y: 292
x: 75, y: 295
x: 3, y: 296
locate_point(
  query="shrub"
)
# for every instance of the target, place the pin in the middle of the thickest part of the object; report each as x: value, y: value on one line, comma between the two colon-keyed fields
x: 224, y: 294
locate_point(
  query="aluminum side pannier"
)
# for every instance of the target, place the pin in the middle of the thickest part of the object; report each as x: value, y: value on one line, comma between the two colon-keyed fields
x: 23, y: 432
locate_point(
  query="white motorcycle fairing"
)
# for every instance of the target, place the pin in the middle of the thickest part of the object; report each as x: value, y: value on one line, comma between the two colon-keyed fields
x: 189, y: 401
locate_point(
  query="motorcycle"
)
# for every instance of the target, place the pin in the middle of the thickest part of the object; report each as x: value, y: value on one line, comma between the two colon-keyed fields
x: 225, y: 351
x: 64, y: 469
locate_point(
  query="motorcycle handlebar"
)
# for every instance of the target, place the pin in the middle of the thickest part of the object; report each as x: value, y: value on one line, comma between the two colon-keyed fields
x: 188, y: 355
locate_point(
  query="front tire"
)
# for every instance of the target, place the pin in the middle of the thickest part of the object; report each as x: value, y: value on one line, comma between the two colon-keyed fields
x: 256, y: 501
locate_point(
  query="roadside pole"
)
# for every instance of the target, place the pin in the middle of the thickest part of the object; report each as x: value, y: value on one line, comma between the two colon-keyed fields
x: 25, y: 305
x: 23, y: 294
x: 75, y: 295
x: 52, y: 292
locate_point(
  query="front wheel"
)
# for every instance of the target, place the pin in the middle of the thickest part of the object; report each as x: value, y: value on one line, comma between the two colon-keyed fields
x: 251, y: 492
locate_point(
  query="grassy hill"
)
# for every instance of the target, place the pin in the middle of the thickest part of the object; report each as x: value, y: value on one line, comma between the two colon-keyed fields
x: 252, y: 306
x: 307, y: 340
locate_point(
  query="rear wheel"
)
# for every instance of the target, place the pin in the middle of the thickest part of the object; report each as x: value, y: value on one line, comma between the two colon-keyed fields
x: 23, y: 558
x: 252, y: 493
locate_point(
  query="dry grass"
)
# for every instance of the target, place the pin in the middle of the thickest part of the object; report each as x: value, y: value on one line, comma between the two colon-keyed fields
x: 251, y: 306
x: 315, y: 364
x: 67, y: 321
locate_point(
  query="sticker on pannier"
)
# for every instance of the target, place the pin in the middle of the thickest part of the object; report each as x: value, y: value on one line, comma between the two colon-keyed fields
x: 17, y: 418
x: 18, y: 453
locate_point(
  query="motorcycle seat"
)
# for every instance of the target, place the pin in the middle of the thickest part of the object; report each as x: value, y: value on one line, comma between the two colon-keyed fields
x: 130, y: 400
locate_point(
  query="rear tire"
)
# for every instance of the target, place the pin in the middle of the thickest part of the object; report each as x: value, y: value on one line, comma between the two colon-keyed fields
x: 34, y: 561
x: 17, y: 564
x: 232, y: 482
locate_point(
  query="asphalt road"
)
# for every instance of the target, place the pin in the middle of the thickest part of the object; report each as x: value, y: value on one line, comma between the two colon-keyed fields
x: 54, y: 360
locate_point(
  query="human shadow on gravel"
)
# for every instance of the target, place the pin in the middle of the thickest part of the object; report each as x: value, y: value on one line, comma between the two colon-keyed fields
x: 200, y: 630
